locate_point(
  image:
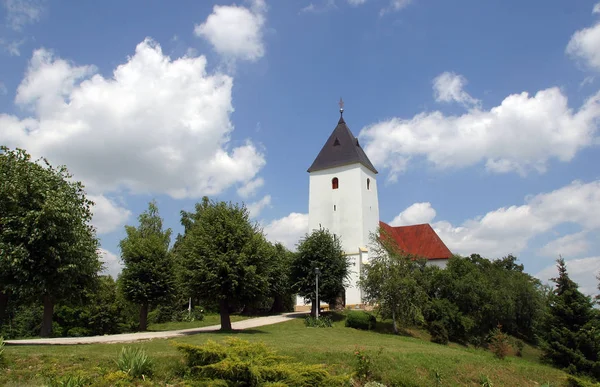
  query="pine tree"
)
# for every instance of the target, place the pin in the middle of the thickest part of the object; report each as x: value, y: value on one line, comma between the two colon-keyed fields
x: 571, y: 340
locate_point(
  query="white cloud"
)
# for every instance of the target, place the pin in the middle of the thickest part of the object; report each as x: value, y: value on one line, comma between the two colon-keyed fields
x: 22, y: 12
x: 256, y: 208
x: 112, y: 263
x: 585, y: 45
x: 156, y: 125
x: 417, y: 213
x: 395, y: 5
x: 449, y: 87
x: 569, y: 245
x: 596, y: 8
x: 356, y: 2
x: 108, y: 216
x: 12, y: 47
x: 3, y: 89
x: 287, y: 230
x: 235, y: 32
x: 250, y: 188
x: 583, y: 271
x: 509, y: 229
x: 521, y: 134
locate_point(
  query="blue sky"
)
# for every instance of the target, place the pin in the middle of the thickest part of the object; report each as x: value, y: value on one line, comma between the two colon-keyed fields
x: 481, y: 117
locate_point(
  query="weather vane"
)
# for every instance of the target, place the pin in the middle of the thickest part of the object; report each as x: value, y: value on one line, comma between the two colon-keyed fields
x: 341, y: 103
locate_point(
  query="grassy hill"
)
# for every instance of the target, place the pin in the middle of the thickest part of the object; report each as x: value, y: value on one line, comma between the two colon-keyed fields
x: 398, y: 360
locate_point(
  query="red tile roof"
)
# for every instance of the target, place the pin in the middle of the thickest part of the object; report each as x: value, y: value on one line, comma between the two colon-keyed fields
x: 419, y: 240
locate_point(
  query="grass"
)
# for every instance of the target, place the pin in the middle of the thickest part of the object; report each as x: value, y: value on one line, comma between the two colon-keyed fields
x: 403, y: 360
x: 209, y: 319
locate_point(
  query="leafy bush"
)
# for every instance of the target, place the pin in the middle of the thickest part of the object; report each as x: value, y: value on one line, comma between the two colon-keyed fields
x: 519, y: 344
x: 360, y: 320
x: 78, y: 332
x: 322, y: 322
x: 499, y: 343
x: 363, y: 367
x: 134, y: 362
x: 239, y: 362
x: 438, y: 332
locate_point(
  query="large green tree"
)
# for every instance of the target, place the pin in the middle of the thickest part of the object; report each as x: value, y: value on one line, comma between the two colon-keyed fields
x: 572, y: 331
x: 390, y: 280
x: 148, y: 274
x: 48, y: 249
x: 320, y: 249
x: 224, y: 258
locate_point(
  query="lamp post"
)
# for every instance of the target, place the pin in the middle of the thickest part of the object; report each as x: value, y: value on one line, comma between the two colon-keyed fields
x: 317, y: 272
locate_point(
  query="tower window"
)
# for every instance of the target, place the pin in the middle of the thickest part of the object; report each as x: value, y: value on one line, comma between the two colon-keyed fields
x: 334, y: 183
x: 334, y: 207
x: 368, y: 184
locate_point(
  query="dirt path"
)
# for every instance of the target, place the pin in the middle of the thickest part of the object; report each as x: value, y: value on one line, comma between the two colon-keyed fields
x: 130, y: 337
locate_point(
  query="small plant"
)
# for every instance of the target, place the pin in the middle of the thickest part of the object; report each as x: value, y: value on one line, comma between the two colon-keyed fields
x: 70, y: 381
x: 360, y: 320
x: 438, y: 377
x: 322, y: 322
x: 364, y: 364
x: 499, y: 343
x: 520, y: 345
x: 485, y: 381
x: 439, y: 333
x: 134, y: 362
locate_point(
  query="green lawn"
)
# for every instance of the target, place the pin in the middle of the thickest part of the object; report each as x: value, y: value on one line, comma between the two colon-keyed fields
x: 406, y: 361
x: 209, y: 319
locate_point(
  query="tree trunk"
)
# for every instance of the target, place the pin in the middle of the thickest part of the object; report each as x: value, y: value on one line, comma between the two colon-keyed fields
x: 46, y: 330
x: 144, y: 316
x: 394, y: 322
x: 277, y: 304
x: 3, y: 306
x: 224, y: 310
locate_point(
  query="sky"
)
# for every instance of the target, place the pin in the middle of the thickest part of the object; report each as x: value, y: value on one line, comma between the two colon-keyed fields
x: 481, y: 117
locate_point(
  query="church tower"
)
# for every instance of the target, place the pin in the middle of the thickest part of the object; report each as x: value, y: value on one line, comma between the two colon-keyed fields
x: 343, y: 199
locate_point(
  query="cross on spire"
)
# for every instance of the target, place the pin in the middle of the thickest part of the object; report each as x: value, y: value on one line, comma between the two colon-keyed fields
x: 341, y: 103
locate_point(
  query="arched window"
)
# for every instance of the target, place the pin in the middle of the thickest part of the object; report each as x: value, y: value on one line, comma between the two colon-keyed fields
x: 368, y: 184
x: 334, y: 183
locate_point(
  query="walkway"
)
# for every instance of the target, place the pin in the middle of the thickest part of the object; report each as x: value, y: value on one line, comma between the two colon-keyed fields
x: 131, y: 337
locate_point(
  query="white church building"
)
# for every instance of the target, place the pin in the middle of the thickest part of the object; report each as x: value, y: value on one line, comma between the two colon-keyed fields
x: 343, y: 199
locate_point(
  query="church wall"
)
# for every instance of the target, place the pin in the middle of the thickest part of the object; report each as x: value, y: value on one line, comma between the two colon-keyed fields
x: 370, y: 205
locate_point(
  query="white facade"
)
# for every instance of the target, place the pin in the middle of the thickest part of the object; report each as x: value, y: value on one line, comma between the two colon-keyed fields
x: 350, y: 211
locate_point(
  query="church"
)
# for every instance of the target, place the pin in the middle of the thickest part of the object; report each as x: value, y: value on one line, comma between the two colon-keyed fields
x: 343, y: 199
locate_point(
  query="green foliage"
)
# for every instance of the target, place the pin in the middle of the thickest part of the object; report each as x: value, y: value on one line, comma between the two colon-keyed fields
x: 359, y: 319
x: 223, y: 257
x: 438, y: 332
x: 70, y: 381
x: 573, y: 381
x: 239, y: 362
x: 321, y: 250
x: 321, y: 322
x: 519, y: 345
x: 45, y: 231
x: 473, y: 294
x: 390, y: 281
x: 1, y: 350
x: 485, y: 381
x: 499, y: 343
x: 147, y: 275
x: 572, y: 328
x: 134, y: 362
x: 364, y: 364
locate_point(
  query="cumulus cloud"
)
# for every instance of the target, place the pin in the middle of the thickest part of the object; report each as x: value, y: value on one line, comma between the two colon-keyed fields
x: 256, y: 208
x: 509, y: 229
x: 236, y: 32
x: 287, y: 230
x: 155, y: 125
x: 583, y: 271
x: 520, y: 135
x: 108, y: 216
x: 584, y: 44
x: 19, y: 13
x: 569, y: 245
x: 112, y: 263
x: 417, y: 213
x: 449, y: 87
x: 250, y: 188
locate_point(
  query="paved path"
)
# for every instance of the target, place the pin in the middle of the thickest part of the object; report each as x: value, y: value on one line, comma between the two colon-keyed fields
x: 129, y: 337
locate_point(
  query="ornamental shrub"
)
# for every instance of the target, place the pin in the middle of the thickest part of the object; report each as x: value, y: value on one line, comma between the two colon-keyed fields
x: 438, y: 332
x: 360, y: 320
x: 134, y: 362
x: 322, y: 322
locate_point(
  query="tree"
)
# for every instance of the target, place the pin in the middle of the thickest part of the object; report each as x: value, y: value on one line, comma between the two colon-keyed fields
x: 279, y: 282
x: 322, y: 250
x: 48, y: 248
x: 223, y: 256
x: 572, y: 328
x: 389, y: 280
x: 147, y: 275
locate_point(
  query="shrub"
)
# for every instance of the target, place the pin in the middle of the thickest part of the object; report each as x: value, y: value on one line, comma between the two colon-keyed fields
x: 239, y: 362
x: 70, y: 381
x: 363, y: 366
x: 519, y: 345
x: 499, y: 343
x: 485, y: 381
x: 438, y: 332
x: 360, y: 320
x: 78, y: 332
x: 323, y: 322
x: 134, y: 362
